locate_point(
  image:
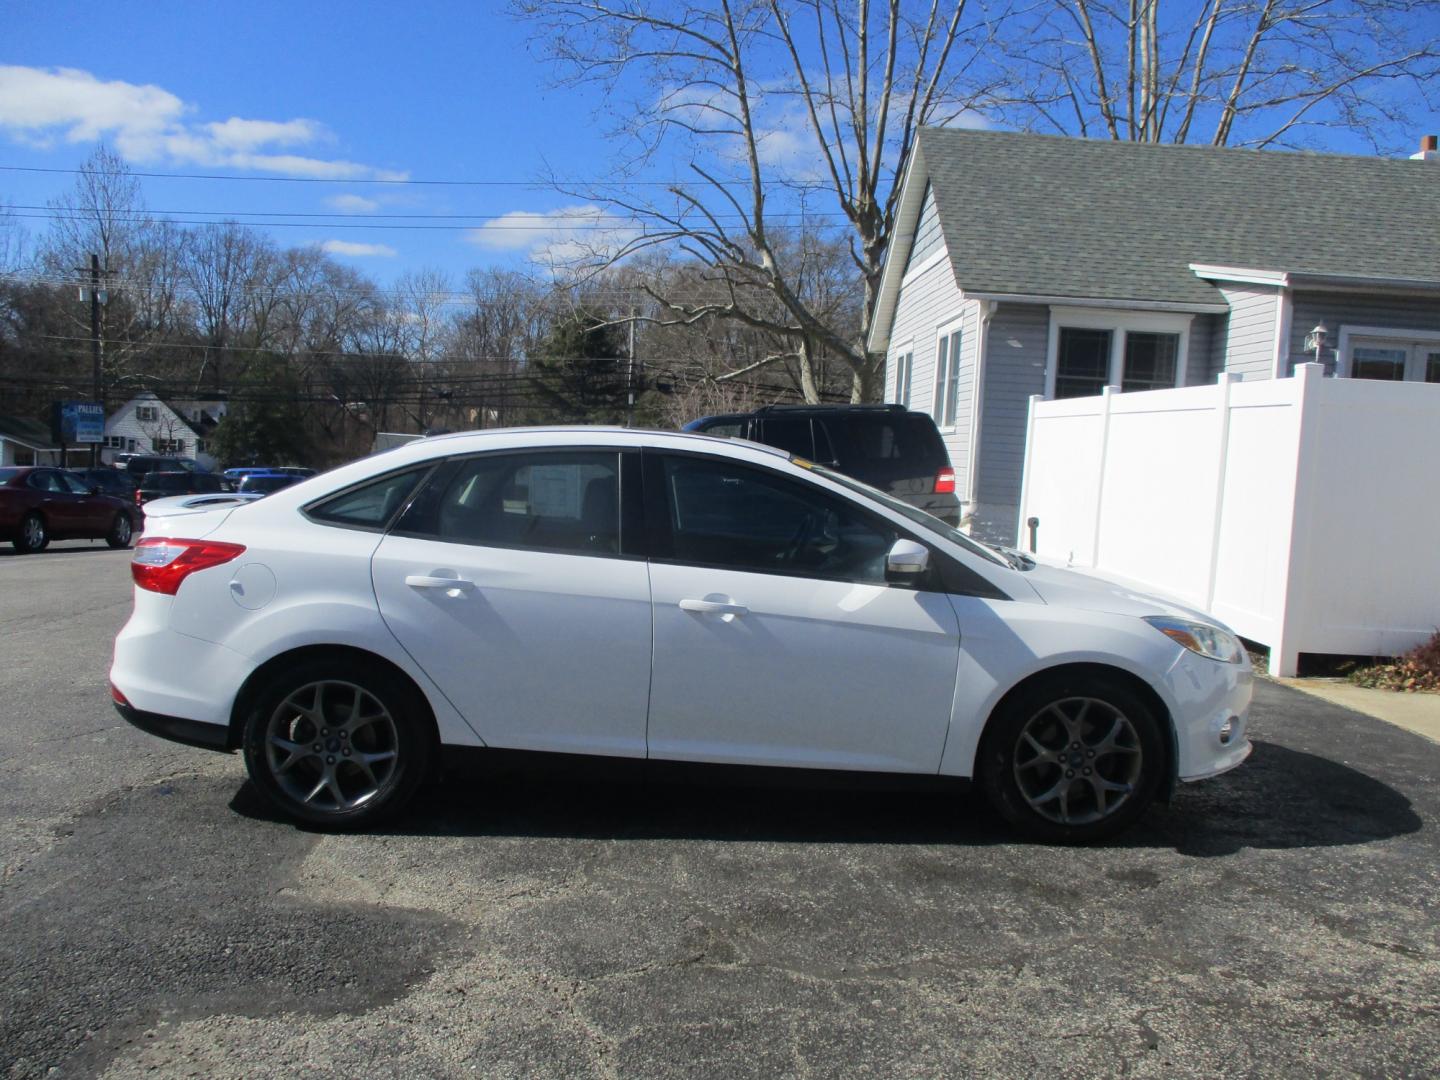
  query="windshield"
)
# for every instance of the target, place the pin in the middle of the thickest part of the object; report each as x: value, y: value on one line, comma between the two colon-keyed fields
x: 915, y: 515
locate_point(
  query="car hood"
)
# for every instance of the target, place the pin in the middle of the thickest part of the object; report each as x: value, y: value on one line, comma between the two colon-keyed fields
x: 1092, y: 591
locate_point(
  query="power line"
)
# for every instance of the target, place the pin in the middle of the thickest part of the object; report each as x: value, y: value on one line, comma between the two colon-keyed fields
x: 544, y: 216
x: 608, y: 182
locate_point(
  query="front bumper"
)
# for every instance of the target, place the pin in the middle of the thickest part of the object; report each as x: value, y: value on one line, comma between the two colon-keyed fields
x: 1206, y: 695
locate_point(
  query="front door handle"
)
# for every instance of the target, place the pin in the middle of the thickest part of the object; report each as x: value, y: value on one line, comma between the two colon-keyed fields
x: 426, y: 581
x: 713, y: 607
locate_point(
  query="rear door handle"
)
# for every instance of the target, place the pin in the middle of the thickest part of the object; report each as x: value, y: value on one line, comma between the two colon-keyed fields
x: 426, y: 581
x: 713, y: 607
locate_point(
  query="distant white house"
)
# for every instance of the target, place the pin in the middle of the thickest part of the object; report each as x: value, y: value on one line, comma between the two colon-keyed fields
x: 147, y: 425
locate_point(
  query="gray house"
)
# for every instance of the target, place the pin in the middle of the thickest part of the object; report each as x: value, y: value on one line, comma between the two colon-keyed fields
x: 1033, y: 264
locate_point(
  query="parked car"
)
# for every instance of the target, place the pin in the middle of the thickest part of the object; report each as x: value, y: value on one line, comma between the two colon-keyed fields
x: 663, y: 596
x: 155, y: 485
x: 115, y: 482
x: 38, y: 505
x: 138, y: 465
x: 265, y: 482
x: 295, y: 470
x: 887, y: 446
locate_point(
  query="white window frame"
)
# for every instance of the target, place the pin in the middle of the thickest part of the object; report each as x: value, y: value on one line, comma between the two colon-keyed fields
x: 904, y: 364
x: 1119, y: 323
x: 944, y: 332
x: 147, y: 414
x: 1414, y: 368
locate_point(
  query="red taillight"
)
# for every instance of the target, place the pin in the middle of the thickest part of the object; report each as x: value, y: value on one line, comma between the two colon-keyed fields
x: 117, y: 696
x: 162, y: 563
x: 945, y: 481
x: 138, y: 499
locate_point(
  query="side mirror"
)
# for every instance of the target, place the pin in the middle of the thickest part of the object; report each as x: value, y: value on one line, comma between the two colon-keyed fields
x: 906, y: 562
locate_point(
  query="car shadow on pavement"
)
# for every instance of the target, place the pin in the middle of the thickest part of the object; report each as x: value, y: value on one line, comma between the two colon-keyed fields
x: 1282, y: 798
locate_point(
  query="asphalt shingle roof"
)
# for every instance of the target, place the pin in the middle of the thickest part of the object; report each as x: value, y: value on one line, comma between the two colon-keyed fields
x: 1050, y: 216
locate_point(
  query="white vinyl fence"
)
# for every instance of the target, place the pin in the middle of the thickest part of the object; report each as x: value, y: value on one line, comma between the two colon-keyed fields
x: 1303, y: 512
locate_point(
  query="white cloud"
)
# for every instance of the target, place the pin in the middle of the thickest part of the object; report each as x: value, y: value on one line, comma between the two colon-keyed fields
x: 148, y: 124
x: 352, y: 204
x: 556, y: 237
x: 358, y: 251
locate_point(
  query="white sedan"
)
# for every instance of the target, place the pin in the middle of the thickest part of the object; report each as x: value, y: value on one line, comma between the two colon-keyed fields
x: 659, y: 596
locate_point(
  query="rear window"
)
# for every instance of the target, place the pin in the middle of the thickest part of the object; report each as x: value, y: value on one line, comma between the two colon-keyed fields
x: 889, y: 442
x: 7, y: 475
x: 167, y: 481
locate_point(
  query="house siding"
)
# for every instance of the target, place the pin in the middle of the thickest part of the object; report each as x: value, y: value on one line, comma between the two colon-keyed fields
x: 1338, y: 310
x: 1249, y: 334
x: 1203, y: 362
x: 929, y: 300
x: 1014, y: 370
x: 928, y: 238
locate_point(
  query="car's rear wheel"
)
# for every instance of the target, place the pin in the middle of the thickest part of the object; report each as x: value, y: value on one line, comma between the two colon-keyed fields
x: 338, y: 745
x: 121, y: 531
x: 1073, y: 758
x: 32, y: 536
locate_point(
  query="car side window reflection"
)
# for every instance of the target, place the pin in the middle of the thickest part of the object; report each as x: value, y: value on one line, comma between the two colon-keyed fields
x: 75, y: 485
x: 725, y: 514
x: 567, y: 502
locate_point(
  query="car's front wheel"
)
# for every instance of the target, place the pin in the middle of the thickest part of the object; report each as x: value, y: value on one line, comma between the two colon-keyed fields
x: 32, y: 536
x: 1073, y: 758
x: 121, y: 531
x: 338, y: 745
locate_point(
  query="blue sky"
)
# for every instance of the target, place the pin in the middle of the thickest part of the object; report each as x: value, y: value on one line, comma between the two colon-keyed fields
x: 443, y: 91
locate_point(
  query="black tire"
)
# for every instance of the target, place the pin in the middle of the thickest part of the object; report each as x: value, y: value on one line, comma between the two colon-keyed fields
x: 1073, y: 758
x: 32, y: 535
x: 282, y: 734
x: 122, y: 531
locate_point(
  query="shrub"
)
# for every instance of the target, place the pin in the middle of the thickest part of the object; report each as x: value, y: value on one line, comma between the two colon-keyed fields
x: 1418, y: 669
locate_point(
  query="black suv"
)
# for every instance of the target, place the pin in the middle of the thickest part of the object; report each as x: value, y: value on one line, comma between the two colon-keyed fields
x: 885, y: 446
x: 159, y: 485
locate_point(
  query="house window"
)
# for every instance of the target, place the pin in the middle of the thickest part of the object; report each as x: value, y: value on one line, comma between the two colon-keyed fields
x: 1091, y: 349
x: 1084, y: 362
x: 115, y: 442
x: 146, y: 413
x: 199, y: 446
x: 169, y: 446
x: 903, y: 365
x: 1389, y: 355
x: 947, y: 380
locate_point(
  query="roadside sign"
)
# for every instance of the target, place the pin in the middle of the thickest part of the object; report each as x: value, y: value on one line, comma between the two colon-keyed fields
x: 80, y: 422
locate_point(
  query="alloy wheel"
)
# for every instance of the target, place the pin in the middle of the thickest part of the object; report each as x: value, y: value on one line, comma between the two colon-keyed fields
x: 332, y: 746
x: 1078, y: 761
x: 34, y: 532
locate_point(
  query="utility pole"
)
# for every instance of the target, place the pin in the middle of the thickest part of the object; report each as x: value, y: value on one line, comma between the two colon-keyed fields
x: 96, y: 349
x: 630, y: 375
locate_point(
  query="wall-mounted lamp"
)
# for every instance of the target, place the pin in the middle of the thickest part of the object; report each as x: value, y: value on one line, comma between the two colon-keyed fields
x: 1315, y: 340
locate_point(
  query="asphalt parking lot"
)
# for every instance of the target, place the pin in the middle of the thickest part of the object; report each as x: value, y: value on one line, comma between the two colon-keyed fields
x: 1279, y: 921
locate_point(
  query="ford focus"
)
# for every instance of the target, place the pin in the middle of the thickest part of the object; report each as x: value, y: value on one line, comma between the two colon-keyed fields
x: 657, y: 596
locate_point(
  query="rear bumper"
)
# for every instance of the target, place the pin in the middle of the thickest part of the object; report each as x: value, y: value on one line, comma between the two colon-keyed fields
x: 944, y: 507
x: 177, y: 729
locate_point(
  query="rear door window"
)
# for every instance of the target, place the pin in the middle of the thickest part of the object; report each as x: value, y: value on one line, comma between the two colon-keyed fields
x: 547, y: 501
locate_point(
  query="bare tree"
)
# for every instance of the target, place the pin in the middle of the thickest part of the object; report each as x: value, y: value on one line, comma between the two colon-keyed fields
x: 797, y: 117
x: 1258, y: 73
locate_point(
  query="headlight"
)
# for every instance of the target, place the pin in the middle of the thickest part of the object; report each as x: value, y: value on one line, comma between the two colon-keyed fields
x: 1209, y: 641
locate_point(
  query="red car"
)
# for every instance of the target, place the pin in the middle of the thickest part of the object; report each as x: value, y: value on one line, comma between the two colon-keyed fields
x: 38, y: 505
